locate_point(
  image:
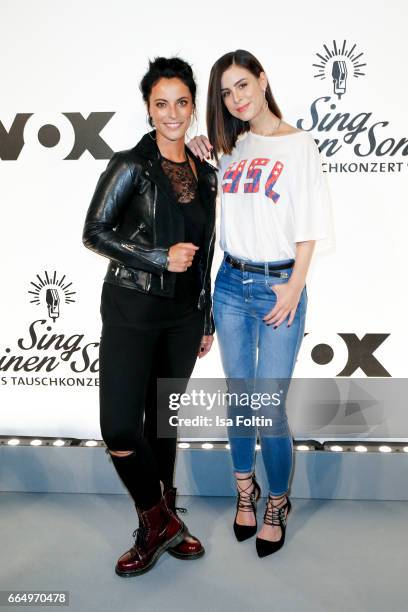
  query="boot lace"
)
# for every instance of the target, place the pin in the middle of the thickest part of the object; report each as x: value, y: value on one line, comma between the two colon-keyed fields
x: 141, y: 535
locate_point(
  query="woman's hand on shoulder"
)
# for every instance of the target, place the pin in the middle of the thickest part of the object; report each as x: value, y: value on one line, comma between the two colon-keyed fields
x: 201, y: 147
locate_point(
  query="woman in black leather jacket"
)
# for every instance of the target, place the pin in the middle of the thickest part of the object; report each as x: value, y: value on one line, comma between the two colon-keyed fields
x: 153, y: 216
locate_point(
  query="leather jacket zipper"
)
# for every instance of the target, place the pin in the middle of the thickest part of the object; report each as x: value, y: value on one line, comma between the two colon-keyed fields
x: 202, y: 292
x: 139, y: 228
x: 154, y: 227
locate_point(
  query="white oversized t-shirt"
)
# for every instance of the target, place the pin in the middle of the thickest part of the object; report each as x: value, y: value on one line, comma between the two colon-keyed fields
x: 273, y: 194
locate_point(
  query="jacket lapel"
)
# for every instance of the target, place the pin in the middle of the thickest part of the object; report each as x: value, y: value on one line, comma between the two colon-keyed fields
x: 156, y: 173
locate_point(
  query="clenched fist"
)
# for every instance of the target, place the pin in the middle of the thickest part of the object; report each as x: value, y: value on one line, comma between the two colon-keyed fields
x: 181, y: 256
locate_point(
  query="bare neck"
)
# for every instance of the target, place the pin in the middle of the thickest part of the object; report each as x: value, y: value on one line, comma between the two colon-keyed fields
x: 171, y: 149
x: 264, y: 122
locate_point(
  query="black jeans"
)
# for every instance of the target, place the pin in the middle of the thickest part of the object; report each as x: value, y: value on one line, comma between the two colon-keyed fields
x: 132, y: 357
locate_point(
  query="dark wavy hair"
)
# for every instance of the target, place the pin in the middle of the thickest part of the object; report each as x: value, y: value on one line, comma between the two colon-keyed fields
x: 222, y: 128
x: 168, y: 68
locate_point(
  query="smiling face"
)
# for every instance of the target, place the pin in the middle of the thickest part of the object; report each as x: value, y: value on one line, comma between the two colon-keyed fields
x: 242, y: 92
x: 171, y: 107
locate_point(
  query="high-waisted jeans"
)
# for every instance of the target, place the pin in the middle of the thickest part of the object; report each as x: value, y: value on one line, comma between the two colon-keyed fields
x: 258, y: 358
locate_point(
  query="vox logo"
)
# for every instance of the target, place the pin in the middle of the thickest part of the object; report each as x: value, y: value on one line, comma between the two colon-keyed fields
x: 345, y: 353
x: 70, y: 134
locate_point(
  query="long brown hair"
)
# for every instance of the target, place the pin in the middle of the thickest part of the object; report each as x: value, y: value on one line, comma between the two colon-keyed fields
x: 222, y: 128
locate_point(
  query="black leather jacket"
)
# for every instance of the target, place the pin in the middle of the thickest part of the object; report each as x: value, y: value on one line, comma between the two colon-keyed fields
x: 133, y: 219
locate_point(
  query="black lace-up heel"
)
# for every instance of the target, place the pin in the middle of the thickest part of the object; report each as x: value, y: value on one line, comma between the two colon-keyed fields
x: 274, y: 515
x: 246, y: 502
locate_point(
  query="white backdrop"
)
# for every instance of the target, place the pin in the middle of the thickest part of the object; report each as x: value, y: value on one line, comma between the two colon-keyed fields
x: 63, y: 61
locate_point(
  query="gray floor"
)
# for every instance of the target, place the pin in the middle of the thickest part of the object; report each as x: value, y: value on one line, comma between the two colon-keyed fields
x: 339, y: 555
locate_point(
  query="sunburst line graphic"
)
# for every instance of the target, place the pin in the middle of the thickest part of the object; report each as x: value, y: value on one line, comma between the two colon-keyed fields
x: 41, y: 280
x: 352, y: 49
x: 51, y: 279
x: 335, y: 52
x: 36, y: 286
x: 329, y: 54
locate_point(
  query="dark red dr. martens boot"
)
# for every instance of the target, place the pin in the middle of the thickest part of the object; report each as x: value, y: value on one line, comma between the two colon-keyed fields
x: 159, y: 528
x: 190, y: 547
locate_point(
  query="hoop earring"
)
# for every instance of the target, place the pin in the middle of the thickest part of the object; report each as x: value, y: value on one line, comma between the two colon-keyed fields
x: 148, y: 117
x: 187, y: 135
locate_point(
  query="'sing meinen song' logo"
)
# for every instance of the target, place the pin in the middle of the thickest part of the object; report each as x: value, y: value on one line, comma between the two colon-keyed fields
x: 351, y: 132
x: 45, y: 355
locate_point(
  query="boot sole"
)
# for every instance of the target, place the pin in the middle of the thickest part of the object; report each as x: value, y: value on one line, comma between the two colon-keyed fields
x: 179, y: 537
x: 186, y: 557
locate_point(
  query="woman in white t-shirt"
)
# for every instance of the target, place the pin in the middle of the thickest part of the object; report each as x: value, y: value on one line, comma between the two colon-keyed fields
x: 274, y: 206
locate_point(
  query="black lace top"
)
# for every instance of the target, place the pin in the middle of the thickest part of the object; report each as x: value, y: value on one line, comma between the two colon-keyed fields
x: 184, y: 185
x: 182, y: 179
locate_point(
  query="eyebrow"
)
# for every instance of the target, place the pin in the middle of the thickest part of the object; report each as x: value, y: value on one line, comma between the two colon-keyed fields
x: 225, y: 88
x: 164, y: 99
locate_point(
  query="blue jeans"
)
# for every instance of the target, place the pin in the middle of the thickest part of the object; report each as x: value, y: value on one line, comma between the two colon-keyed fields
x: 258, y: 358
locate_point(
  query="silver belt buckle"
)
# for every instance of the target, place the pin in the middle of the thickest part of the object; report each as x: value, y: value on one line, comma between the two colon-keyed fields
x: 284, y: 275
x: 242, y: 266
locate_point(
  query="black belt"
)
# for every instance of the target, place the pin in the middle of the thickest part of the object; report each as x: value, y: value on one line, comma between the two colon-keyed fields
x: 245, y: 267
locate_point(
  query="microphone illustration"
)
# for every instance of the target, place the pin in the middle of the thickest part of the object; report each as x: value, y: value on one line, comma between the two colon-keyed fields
x: 52, y: 299
x: 339, y: 74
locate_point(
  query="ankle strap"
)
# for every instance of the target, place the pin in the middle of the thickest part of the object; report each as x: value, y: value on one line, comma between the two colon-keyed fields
x: 246, y: 499
x: 275, y: 515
